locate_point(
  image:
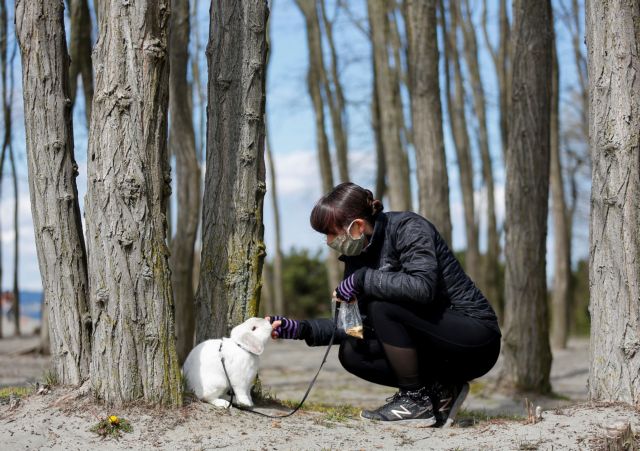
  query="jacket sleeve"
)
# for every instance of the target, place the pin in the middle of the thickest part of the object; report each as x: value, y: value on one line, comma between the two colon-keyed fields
x: 320, y: 331
x: 417, y: 279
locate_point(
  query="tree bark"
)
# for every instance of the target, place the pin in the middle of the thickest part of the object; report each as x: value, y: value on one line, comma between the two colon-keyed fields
x: 561, y: 295
x: 54, y: 197
x: 613, y: 43
x: 458, y: 119
x: 232, y: 236
x: 182, y: 142
x: 80, y: 52
x: 314, y: 81
x: 398, y: 185
x: 489, y: 280
x: 526, y: 332
x: 133, y: 354
x: 426, y: 113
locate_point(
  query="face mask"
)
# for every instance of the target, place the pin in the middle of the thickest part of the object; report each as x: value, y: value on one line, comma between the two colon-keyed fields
x: 346, y: 244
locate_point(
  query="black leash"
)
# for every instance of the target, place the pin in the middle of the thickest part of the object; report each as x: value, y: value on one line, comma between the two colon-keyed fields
x: 313, y: 381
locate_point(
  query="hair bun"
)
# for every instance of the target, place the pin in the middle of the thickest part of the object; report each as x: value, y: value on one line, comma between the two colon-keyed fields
x: 376, y: 206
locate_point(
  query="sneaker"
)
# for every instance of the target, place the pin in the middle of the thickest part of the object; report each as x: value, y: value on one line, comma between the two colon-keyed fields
x: 405, y: 406
x: 448, y: 399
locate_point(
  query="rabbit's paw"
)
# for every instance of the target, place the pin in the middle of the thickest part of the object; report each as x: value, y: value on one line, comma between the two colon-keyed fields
x: 221, y: 403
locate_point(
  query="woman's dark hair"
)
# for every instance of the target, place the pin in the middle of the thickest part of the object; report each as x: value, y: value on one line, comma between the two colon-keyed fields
x: 342, y: 205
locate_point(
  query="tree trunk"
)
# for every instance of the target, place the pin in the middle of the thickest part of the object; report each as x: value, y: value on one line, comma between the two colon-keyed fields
x: 426, y: 113
x: 526, y: 332
x: 458, y: 119
x: 398, y: 186
x: 6, y: 114
x: 232, y: 237
x: 278, y: 289
x: 80, y: 52
x: 54, y: 197
x: 381, y: 170
x: 502, y: 62
x: 490, y: 269
x: 335, y: 99
x: 314, y: 80
x: 134, y: 354
x: 613, y: 43
x: 16, y: 241
x: 182, y: 143
x: 560, y: 295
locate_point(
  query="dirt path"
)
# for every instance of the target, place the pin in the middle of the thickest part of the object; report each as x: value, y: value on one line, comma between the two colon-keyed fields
x: 45, y: 422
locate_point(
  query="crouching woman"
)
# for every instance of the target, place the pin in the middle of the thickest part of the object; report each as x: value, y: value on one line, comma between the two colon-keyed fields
x: 428, y: 329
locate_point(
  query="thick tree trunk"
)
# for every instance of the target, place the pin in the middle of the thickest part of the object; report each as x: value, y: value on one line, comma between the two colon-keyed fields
x: 613, y: 42
x: 133, y: 354
x: 458, y: 120
x: 490, y: 268
x: 526, y: 332
x: 182, y: 143
x: 314, y: 80
x: 80, y: 52
x: 426, y: 112
x: 232, y: 236
x: 398, y: 185
x: 560, y: 295
x: 52, y: 186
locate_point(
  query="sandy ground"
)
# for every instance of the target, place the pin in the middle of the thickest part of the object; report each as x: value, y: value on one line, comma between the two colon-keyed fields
x: 52, y: 422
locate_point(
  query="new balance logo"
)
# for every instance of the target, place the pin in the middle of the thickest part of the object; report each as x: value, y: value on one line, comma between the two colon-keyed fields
x: 399, y: 413
x: 444, y: 404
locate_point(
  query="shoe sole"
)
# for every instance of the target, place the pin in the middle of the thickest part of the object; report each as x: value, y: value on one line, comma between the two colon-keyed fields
x: 420, y: 422
x: 464, y: 391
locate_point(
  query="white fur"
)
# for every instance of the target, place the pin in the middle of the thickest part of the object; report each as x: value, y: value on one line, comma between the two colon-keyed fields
x: 203, y: 370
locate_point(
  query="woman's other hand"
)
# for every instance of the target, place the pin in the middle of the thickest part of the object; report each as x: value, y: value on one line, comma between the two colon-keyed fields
x: 283, y: 327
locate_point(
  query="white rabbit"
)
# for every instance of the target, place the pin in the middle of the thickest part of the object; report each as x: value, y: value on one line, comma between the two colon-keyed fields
x: 203, y: 370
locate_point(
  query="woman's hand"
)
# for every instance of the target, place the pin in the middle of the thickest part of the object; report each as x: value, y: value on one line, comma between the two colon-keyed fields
x: 351, y: 286
x: 283, y: 327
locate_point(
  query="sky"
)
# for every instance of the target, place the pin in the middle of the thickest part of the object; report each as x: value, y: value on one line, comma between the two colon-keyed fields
x: 292, y: 136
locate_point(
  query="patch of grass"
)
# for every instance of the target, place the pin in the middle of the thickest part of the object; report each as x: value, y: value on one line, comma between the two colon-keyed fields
x: 528, y: 445
x: 558, y: 396
x: 50, y: 378
x: 6, y: 392
x: 112, y: 426
x: 335, y: 413
x: 477, y: 387
x: 473, y: 417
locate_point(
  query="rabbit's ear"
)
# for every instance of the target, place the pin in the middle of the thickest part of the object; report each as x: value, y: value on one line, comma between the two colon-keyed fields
x: 252, y: 343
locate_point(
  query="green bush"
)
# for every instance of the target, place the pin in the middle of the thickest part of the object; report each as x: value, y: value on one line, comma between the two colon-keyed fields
x: 305, y: 284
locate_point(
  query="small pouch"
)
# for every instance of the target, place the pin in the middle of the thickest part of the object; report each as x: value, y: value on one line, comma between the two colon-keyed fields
x: 349, y: 319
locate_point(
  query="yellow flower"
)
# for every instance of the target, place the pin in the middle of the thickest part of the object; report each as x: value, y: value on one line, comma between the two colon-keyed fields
x: 114, y: 420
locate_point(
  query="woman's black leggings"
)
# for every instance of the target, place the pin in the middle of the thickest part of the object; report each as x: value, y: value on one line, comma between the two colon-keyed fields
x: 450, y: 346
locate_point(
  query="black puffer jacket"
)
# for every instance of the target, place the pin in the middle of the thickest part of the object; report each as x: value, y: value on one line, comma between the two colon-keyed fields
x: 409, y: 262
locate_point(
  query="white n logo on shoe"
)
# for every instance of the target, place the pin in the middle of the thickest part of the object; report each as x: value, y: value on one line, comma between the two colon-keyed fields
x: 444, y: 404
x: 399, y: 413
